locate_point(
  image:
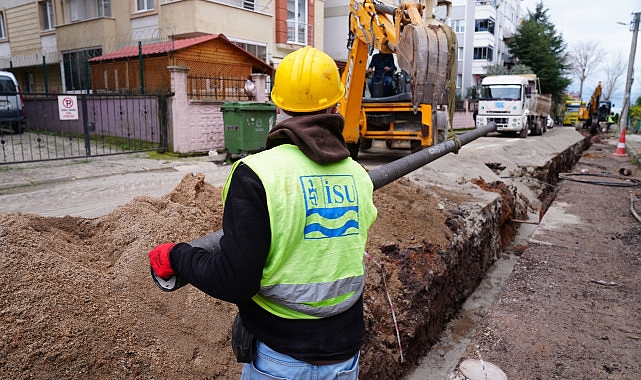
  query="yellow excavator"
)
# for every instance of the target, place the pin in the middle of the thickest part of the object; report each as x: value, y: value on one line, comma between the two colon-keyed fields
x: 588, y: 114
x: 426, y: 51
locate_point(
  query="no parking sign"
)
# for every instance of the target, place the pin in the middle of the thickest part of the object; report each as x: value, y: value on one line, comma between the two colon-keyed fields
x: 68, y: 106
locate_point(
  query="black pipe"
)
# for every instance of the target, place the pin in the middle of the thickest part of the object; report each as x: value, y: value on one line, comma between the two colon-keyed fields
x: 388, y: 173
x: 384, y: 8
x: 209, y: 242
x: 381, y: 176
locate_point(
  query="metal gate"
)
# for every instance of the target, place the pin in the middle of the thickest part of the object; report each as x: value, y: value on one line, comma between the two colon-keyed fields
x: 62, y: 126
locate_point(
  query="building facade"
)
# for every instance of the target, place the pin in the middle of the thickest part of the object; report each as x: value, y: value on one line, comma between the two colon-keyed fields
x: 483, y: 28
x: 47, y: 43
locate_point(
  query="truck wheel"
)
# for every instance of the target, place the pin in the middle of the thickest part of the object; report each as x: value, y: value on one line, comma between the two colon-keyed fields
x: 366, y: 144
x: 523, y: 133
x: 18, y: 127
x: 353, y: 150
x: 415, y: 146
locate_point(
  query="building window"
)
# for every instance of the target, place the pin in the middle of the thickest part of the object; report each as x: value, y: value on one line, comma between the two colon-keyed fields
x: 144, y: 5
x: 3, y: 28
x: 46, y: 15
x: 77, y: 76
x: 484, y: 25
x: 458, y: 26
x: 485, y: 53
x: 297, y: 28
x: 460, y: 53
x: 248, y: 4
x: 81, y: 10
x: 259, y: 51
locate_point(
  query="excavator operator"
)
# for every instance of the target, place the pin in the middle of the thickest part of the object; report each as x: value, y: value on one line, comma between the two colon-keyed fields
x: 295, y: 223
x: 382, y: 69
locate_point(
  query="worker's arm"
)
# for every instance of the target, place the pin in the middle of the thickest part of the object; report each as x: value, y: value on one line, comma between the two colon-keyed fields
x: 233, y: 276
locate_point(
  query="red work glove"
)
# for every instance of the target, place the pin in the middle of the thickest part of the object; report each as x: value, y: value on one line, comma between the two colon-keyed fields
x: 159, y: 260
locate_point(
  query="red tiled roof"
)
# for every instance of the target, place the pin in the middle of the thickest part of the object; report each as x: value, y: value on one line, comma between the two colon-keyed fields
x: 169, y: 46
x: 156, y: 48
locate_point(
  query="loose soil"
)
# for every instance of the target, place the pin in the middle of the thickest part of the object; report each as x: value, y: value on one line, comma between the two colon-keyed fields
x: 78, y: 300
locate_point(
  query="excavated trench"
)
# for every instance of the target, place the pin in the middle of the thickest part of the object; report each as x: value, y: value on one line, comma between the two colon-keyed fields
x: 435, y: 282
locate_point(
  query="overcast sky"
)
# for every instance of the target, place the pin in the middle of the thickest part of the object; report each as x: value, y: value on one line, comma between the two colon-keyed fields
x: 596, y: 20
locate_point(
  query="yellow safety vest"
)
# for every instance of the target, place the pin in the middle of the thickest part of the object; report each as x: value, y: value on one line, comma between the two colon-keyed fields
x: 319, y: 217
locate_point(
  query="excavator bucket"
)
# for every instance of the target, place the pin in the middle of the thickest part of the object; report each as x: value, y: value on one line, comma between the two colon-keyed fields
x: 427, y: 51
x: 423, y: 53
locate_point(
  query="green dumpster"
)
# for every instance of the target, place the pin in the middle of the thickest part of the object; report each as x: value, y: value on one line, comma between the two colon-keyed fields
x: 247, y: 125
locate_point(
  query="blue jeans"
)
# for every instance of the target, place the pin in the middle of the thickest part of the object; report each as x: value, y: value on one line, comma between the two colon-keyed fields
x: 269, y: 365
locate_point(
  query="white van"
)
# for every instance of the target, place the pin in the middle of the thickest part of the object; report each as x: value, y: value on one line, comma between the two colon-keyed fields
x: 11, y: 104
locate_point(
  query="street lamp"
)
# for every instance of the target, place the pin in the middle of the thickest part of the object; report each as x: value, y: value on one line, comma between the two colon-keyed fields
x: 628, y: 83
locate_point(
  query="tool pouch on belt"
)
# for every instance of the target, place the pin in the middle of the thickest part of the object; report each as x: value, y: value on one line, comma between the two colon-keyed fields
x: 242, y: 341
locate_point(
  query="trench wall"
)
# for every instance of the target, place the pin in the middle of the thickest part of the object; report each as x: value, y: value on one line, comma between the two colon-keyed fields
x: 437, y: 281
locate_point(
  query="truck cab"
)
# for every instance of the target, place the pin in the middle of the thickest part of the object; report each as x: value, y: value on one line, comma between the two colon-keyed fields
x: 514, y: 103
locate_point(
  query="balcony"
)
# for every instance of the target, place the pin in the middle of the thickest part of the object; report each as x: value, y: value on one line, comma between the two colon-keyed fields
x: 87, y: 33
x: 299, y: 33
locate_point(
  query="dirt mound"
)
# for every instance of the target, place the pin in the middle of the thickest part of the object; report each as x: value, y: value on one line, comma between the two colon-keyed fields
x: 77, y: 299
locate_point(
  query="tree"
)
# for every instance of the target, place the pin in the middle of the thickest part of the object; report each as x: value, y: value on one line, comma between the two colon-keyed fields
x: 521, y: 69
x: 537, y: 44
x: 495, y: 70
x: 584, y: 60
x: 635, y: 113
x: 613, y: 71
x: 502, y: 70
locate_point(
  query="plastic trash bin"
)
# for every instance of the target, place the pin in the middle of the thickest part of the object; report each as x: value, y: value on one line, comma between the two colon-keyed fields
x: 247, y: 125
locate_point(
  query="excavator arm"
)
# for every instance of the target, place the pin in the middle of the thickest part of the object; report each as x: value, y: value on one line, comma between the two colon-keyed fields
x: 424, y: 46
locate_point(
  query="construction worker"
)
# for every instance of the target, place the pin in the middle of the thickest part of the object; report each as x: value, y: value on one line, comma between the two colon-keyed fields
x: 382, y: 68
x: 610, y: 120
x: 295, y: 224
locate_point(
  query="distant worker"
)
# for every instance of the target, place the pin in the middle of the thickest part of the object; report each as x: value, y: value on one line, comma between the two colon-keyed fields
x: 610, y: 120
x: 295, y: 224
x: 383, y: 68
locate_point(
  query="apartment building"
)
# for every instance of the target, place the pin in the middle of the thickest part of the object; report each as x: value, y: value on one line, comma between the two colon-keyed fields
x: 46, y: 43
x: 482, y: 28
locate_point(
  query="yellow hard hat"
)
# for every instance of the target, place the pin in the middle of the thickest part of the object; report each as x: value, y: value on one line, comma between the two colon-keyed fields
x: 307, y: 80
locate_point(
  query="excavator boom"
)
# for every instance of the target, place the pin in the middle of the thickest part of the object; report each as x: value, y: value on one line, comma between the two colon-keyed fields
x: 425, y: 49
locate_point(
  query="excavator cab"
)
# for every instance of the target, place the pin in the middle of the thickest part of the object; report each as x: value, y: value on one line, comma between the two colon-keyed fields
x: 425, y: 49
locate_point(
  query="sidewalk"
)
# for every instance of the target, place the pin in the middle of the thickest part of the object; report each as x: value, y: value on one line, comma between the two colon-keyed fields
x: 570, y: 308
x: 633, y: 147
x: 45, y: 172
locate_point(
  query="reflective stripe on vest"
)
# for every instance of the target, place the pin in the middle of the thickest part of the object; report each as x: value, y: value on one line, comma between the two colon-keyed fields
x: 297, y: 296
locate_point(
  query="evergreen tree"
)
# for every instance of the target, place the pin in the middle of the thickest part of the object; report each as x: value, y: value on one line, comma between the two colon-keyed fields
x: 537, y: 45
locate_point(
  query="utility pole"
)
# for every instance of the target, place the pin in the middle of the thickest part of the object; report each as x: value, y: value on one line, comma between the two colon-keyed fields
x: 628, y: 84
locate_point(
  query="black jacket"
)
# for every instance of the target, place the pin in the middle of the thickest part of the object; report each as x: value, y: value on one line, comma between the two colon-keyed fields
x: 234, y: 276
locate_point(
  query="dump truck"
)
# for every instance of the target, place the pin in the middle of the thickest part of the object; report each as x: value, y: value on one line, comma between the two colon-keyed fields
x: 571, y: 111
x: 425, y: 49
x: 514, y: 103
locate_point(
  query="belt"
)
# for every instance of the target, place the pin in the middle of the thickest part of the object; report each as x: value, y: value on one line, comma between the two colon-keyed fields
x: 325, y: 362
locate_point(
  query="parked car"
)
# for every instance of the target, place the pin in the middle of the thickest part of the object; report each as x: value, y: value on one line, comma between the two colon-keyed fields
x: 12, y: 114
x: 550, y: 122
